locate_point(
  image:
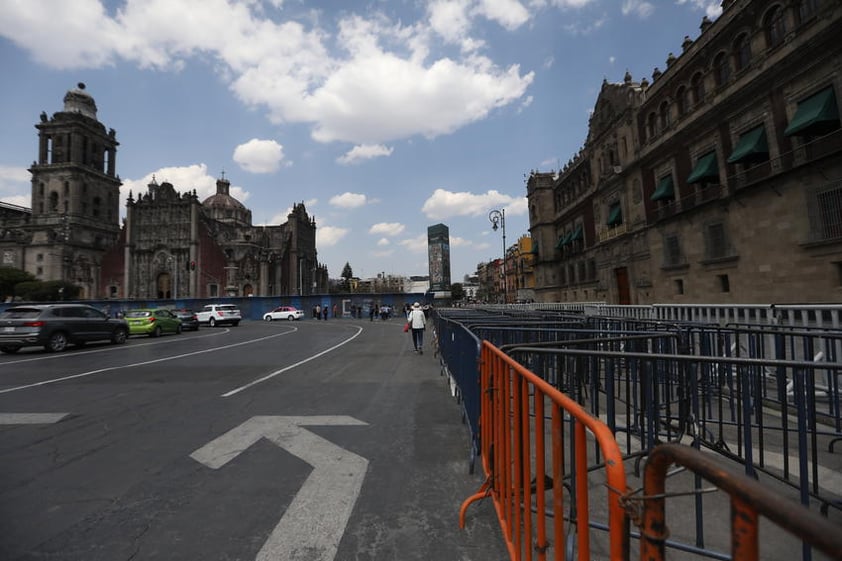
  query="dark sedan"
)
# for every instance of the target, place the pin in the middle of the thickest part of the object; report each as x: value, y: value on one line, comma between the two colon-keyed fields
x: 189, y: 320
x: 54, y: 326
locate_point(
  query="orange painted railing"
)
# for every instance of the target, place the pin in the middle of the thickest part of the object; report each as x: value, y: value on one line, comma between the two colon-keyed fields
x: 749, y: 501
x: 514, y: 434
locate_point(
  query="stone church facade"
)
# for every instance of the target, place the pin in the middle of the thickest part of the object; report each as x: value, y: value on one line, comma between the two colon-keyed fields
x: 170, y: 245
x: 718, y: 181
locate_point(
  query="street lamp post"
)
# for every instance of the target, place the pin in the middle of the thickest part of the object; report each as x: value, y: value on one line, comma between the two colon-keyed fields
x: 498, y: 220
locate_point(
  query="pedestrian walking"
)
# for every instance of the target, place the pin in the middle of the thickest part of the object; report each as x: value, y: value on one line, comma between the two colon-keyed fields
x: 417, y: 323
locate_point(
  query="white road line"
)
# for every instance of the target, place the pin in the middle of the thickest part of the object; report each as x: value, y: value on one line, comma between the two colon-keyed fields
x: 291, y: 366
x: 144, y: 363
x: 109, y: 348
x: 31, y: 418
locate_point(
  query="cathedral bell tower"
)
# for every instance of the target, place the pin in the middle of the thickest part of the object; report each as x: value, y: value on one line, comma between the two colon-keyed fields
x: 75, y: 195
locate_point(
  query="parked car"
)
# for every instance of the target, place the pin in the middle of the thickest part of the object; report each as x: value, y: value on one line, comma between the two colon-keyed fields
x: 189, y: 321
x: 54, y: 326
x: 219, y: 314
x: 284, y: 312
x: 152, y: 322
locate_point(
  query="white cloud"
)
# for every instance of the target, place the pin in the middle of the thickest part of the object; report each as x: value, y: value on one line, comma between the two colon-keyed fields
x: 370, y: 82
x: 449, y: 18
x: 510, y: 14
x: 418, y: 244
x: 328, y: 236
x: 364, y: 152
x: 259, y: 156
x: 383, y: 242
x: 387, y: 229
x: 184, y: 179
x: 456, y: 241
x: 640, y: 8
x: 15, y: 186
x: 348, y: 200
x: 712, y: 8
x: 444, y: 204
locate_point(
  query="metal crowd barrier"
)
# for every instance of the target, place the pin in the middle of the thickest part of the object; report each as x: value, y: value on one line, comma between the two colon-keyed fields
x: 525, y: 426
x: 749, y: 500
x: 765, y: 396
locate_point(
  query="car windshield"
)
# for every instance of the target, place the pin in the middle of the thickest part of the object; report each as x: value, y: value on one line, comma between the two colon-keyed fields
x: 228, y: 308
x: 21, y: 313
x: 137, y: 314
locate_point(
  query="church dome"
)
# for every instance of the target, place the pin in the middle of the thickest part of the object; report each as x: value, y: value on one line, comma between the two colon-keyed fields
x: 222, y: 199
x: 80, y: 101
x: 225, y: 208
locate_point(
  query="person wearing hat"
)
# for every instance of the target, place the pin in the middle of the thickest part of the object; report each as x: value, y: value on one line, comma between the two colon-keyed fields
x: 417, y: 323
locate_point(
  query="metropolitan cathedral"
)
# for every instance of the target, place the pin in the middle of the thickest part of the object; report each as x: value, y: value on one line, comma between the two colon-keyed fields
x: 170, y: 244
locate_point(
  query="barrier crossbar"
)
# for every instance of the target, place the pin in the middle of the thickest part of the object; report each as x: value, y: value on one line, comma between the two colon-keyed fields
x: 749, y: 501
x: 519, y: 411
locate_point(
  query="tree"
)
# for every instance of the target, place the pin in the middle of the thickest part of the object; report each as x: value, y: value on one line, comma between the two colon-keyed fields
x: 347, y: 275
x: 457, y: 292
x: 9, y: 277
x: 49, y: 291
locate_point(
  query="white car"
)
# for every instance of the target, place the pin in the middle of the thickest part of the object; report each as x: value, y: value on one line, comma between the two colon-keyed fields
x: 284, y: 312
x: 220, y: 314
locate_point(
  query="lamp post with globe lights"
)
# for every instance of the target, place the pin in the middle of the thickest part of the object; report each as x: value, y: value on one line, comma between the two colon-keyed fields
x: 498, y: 220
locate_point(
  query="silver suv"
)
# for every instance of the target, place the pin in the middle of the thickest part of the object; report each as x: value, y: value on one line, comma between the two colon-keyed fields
x: 220, y: 314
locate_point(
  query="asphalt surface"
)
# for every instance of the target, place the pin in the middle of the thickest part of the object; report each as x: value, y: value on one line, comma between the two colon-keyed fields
x: 307, y: 440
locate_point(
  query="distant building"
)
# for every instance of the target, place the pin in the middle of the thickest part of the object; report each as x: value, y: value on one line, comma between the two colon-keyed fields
x: 438, y: 252
x: 171, y: 244
x: 718, y: 181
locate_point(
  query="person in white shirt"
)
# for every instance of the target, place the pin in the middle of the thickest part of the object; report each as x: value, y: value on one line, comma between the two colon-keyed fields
x: 417, y: 323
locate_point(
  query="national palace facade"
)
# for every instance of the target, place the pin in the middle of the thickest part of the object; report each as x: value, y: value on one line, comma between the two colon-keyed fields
x: 720, y: 180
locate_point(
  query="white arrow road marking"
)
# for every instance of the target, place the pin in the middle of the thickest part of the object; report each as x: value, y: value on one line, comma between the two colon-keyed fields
x: 31, y: 418
x: 312, y: 526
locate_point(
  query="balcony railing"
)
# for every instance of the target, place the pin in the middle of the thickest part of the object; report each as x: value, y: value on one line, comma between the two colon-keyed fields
x: 612, y: 232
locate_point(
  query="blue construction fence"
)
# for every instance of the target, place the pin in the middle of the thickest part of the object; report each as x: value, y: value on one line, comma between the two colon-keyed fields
x: 253, y: 307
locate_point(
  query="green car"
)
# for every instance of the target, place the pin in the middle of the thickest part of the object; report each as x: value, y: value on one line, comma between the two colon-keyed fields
x: 152, y: 322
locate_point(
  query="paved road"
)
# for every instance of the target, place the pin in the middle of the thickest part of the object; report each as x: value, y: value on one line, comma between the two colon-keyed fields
x: 285, y: 440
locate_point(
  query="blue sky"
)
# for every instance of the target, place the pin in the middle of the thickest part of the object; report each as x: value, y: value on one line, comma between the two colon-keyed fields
x: 384, y: 117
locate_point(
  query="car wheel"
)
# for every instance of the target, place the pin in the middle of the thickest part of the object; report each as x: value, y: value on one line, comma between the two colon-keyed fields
x: 290, y: 318
x: 212, y: 322
x: 178, y: 328
x: 119, y: 336
x: 156, y: 332
x: 57, y: 342
x: 236, y: 323
x: 267, y: 317
x: 9, y: 350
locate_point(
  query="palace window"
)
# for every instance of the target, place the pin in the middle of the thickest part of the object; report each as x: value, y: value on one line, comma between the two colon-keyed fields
x: 716, y: 241
x: 681, y: 101
x: 722, y: 70
x: 665, y: 115
x: 775, y: 27
x: 697, y: 84
x: 807, y: 10
x: 742, y: 52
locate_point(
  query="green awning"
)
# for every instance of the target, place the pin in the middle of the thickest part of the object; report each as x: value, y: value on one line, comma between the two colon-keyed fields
x: 752, y: 147
x: 815, y: 116
x: 577, y: 234
x: 706, y: 170
x: 563, y: 240
x: 665, y: 189
x: 615, y: 215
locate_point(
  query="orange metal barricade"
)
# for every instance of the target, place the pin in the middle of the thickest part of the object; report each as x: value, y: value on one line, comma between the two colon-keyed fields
x: 749, y: 500
x: 513, y: 445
